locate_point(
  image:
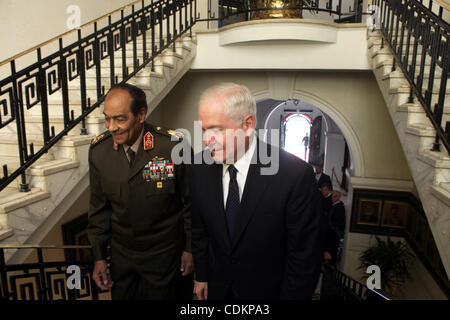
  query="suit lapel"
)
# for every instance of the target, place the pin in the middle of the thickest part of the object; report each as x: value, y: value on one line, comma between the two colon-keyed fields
x: 255, y: 186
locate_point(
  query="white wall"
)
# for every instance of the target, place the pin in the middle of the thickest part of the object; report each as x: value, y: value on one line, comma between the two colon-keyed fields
x: 26, y: 23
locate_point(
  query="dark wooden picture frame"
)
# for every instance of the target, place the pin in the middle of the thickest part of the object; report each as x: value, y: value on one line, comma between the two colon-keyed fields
x: 75, y: 233
x: 395, y: 214
x: 369, y: 212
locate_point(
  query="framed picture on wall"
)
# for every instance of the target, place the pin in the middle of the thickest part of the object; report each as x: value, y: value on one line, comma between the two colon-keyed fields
x: 394, y: 214
x: 369, y: 212
x: 75, y: 233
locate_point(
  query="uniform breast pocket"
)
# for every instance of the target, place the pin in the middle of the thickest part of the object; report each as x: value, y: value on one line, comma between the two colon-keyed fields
x: 160, y: 187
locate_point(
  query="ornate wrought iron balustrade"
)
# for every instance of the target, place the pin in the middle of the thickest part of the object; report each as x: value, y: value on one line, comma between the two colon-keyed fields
x: 231, y: 11
x: 419, y: 40
x: 45, y: 280
x: 71, y: 82
x: 339, y: 286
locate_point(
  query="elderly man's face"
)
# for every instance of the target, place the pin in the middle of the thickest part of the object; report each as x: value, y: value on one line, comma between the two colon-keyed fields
x: 123, y: 125
x: 225, y: 138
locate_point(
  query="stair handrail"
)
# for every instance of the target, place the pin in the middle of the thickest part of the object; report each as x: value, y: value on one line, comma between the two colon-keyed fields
x: 32, y: 85
x: 411, y: 13
x: 336, y: 285
x: 25, y: 52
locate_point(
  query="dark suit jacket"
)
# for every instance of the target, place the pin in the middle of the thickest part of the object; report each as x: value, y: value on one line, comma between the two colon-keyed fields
x: 277, y: 245
x: 325, y: 179
x: 136, y: 214
x: 336, y: 227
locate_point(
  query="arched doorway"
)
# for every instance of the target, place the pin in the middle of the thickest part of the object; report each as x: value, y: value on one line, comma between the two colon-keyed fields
x: 296, y: 130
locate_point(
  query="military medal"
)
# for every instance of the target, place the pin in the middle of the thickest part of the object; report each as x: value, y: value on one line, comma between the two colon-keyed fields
x: 158, y: 171
x: 159, y: 185
x: 148, y: 141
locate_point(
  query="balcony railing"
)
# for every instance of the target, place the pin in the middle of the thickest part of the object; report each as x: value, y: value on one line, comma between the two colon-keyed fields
x: 50, y: 277
x: 338, y: 286
x: 419, y: 39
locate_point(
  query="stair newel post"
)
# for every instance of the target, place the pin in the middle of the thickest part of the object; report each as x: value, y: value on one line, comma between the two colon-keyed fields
x: 134, y: 33
x: 425, y: 37
x: 439, y: 107
x: 3, y: 276
x: 191, y: 17
x: 143, y: 27
x: 160, y: 20
x: 123, y: 44
x: 167, y: 15
x: 173, y: 6
x: 415, y: 30
x: 20, y: 124
x: 435, y: 44
x: 82, y: 72
x: 97, y: 62
x: 42, y: 93
x: 186, y: 23
x: 42, y: 289
x: 152, y: 28
x: 64, y: 85
x: 407, y: 26
x: 402, y: 20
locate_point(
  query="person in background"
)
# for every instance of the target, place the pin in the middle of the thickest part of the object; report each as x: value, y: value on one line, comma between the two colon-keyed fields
x: 335, y: 229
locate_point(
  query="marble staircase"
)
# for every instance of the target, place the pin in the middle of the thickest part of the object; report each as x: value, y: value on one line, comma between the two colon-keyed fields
x: 430, y: 169
x: 62, y: 173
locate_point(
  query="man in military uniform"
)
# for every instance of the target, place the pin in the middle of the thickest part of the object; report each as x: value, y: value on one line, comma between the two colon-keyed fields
x: 139, y: 203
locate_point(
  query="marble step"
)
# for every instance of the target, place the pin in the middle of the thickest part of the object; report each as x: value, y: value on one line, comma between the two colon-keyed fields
x: 14, y: 200
x: 442, y: 192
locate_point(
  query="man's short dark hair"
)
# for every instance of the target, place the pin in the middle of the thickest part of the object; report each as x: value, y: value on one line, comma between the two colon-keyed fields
x: 138, y: 98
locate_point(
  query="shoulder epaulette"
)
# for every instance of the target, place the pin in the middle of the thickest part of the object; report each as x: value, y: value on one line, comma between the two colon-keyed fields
x: 168, y: 132
x: 100, y: 138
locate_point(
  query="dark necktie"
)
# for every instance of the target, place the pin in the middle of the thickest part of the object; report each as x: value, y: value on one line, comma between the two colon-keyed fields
x: 232, y: 205
x: 131, y: 155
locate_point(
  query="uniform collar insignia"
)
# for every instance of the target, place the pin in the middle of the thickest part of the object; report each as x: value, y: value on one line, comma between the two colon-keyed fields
x: 116, y: 146
x: 148, y: 141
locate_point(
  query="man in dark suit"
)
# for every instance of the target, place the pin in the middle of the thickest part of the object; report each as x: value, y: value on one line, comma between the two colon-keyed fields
x: 254, y: 236
x: 335, y: 230
x: 139, y: 203
x: 322, y: 178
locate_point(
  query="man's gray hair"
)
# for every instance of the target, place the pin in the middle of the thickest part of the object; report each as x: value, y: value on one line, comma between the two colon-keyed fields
x: 239, y: 101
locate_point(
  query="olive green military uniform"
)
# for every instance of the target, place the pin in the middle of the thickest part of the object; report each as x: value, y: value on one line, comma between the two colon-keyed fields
x: 145, y: 217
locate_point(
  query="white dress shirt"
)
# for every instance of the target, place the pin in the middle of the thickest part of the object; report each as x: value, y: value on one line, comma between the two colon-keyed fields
x: 242, y: 166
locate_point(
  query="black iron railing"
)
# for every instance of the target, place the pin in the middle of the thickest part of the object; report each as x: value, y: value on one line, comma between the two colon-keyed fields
x: 232, y: 11
x: 419, y: 39
x: 338, y: 286
x: 76, y: 75
x: 50, y: 276
x: 48, y: 280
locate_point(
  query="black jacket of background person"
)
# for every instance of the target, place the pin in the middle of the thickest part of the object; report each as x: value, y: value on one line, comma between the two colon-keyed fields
x: 277, y: 247
x: 136, y: 214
